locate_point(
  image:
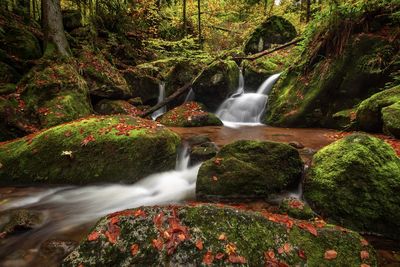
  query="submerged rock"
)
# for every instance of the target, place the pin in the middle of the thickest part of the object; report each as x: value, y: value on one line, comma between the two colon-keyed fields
x: 274, y: 30
x: 190, y: 114
x: 55, y: 94
x: 91, y: 150
x: 249, y: 169
x: 215, y: 236
x: 355, y: 182
x: 215, y: 83
x: 369, y: 112
x: 391, y: 119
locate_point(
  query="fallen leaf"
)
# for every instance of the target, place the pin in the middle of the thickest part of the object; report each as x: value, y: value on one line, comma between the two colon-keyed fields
x: 199, y: 244
x: 330, y: 255
x: 140, y: 213
x: 208, y: 258
x: 222, y: 237
x: 364, y: 242
x: 87, y: 140
x: 287, y: 247
x: 219, y: 256
x: 157, y: 244
x: 134, y: 249
x: 230, y: 249
x: 308, y: 227
x: 269, y: 255
x: 215, y: 178
x: 302, y: 254
x: 93, y: 236
x: 237, y: 259
x: 364, y: 255
x: 364, y: 265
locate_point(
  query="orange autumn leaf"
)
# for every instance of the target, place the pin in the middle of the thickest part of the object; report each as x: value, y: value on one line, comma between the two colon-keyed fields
x: 199, y: 244
x: 364, y: 242
x: 287, y: 247
x: 222, y: 237
x: 308, y: 227
x: 158, y: 219
x: 364, y: 255
x: 280, y: 251
x: 114, y: 220
x: 139, y: 213
x: 157, y: 244
x: 237, y: 259
x: 230, y: 249
x: 134, y: 249
x: 181, y: 237
x: 93, y: 236
x: 217, y: 161
x: 330, y: 254
x: 219, y: 256
x: 364, y: 265
x: 214, y: 178
x: 269, y: 255
x: 87, y: 140
x: 208, y: 258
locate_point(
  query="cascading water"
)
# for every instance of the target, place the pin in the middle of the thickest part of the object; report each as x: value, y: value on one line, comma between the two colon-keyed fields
x: 161, y: 97
x: 190, y: 96
x: 68, y: 208
x: 246, y: 108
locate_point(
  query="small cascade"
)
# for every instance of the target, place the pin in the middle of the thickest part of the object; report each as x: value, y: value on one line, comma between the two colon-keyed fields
x: 246, y: 108
x: 161, y: 97
x: 190, y: 96
x: 183, y: 158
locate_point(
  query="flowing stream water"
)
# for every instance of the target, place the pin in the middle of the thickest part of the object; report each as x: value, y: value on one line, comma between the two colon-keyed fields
x: 161, y: 97
x: 246, y: 108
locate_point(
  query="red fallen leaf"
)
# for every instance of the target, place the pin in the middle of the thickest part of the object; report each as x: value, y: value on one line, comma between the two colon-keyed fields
x: 199, y: 244
x: 269, y: 255
x: 114, y: 220
x: 230, y: 249
x: 237, y: 259
x: 121, y: 213
x: 217, y: 161
x: 134, y: 249
x: 364, y: 265
x: 81, y: 265
x: 280, y: 251
x: 113, y: 233
x: 364, y: 255
x: 308, y: 227
x: 68, y: 133
x: 208, y: 258
x: 319, y: 223
x: 219, y: 256
x: 287, y: 247
x: 181, y: 237
x: 330, y: 254
x: 222, y: 237
x: 302, y: 254
x: 158, y: 219
x: 87, y: 140
x: 364, y: 242
x: 296, y: 204
x: 157, y: 244
x: 140, y: 213
x: 93, y: 236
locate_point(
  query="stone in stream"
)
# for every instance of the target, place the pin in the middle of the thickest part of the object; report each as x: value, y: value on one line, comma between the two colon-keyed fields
x: 91, y: 150
x: 355, y: 182
x: 391, y: 119
x: 199, y: 235
x: 249, y: 169
x: 20, y: 220
x: 296, y: 208
x: 190, y: 114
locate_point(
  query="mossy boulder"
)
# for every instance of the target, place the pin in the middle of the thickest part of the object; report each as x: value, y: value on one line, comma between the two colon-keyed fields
x: 103, y: 79
x: 92, y: 150
x: 55, y: 93
x: 190, y: 114
x: 19, y: 220
x: 355, y: 182
x: 216, y: 236
x: 202, y: 152
x: 109, y: 107
x: 249, y: 169
x: 274, y: 30
x: 369, y: 112
x: 13, y: 123
x: 72, y: 19
x: 8, y: 74
x: 20, y: 42
x: 345, y: 119
x: 215, y: 83
x: 328, y: 79
x: 296, y: 208
x: 391, y: 119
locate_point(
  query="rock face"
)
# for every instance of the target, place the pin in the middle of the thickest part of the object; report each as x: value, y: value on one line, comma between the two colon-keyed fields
x: 190, y: 114
x: 143, y: 84
x: 391, y: 119
x: 215, y: 83
x: 10, y: 118
x: 55, y: 94
x: 355, y: 182
x: 249, y: 169
x: 208, y: 235
x: 328, y: 79
x: 109, y: 107
x: 92, y: 150
x: 274, y: 30
x: 369, y: 112
x: 103, y: 79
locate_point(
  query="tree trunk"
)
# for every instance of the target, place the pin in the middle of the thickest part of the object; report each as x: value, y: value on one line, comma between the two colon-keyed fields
x: 308, y: 14
x: 184, y: 18
x: 55, y: 39
x: 199, y: 18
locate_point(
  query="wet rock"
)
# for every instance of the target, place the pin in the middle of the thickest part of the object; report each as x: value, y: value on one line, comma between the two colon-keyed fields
x: 249, y: 169
x: 190, y: 114
x: 103, y: 79
x: 143, y: 84
x: 109, y: 107
x: 72, y: 19
x: 215, y: 236
x: 345, y: 119
x: 91, y: 150
x: 369, y: 112
x: 20, y: 220
x: 215, y: 83
x: 55, y: 94
x: 53, y: 251
x: 296, y: 208
x: 274, y: 30
x: 137, y: 101
x: 391, y: 119
x: 354, y: 182
x: 198, y: 140
x: 202, y: 152
x: 296, y: 144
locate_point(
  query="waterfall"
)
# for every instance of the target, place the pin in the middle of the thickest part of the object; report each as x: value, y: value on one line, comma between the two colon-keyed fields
x: 190, y: 96
x: 161, y: 97
x: 246, y: 108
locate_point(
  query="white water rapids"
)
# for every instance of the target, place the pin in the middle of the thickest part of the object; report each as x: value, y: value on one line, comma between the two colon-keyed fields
x: 246, y: 109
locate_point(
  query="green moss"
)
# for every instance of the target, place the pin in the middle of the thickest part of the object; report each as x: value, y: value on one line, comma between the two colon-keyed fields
x: 8, y: 74
x: 345, y: 119
x: 20, y: 220
x: 190, y: 114
x: 249, y: 169
x: 391, y: 119
x: 296, y: 208
x: 109, y: 107
x: 20, y: 42
x: 369, y: 116
x: 354, y: 182
x: 7, y: 88
x: 222, y: 231
x: 93, y: 150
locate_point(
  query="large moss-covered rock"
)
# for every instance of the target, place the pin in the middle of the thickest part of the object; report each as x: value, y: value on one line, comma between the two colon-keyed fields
x: 215, y: 83
x: 355, y: 182
x: 109, y: 107
x: 369, y: 112
x: 391, y: 119
x: 190, y: 114
x: 55, y: 94
x: 331, y: 78
x: 274, y: 30
x: 103, y: 79
x: 249, y: 169
x: 215, y: 236
x: 8, y: 74
x: 20, y: 42
x: 92, y: 150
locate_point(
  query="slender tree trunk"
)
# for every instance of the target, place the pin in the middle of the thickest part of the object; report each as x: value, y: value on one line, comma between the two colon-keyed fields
x: 199, y: 18
x: 184, y: 18
x: 308, y: 14
x: 55, y: 39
